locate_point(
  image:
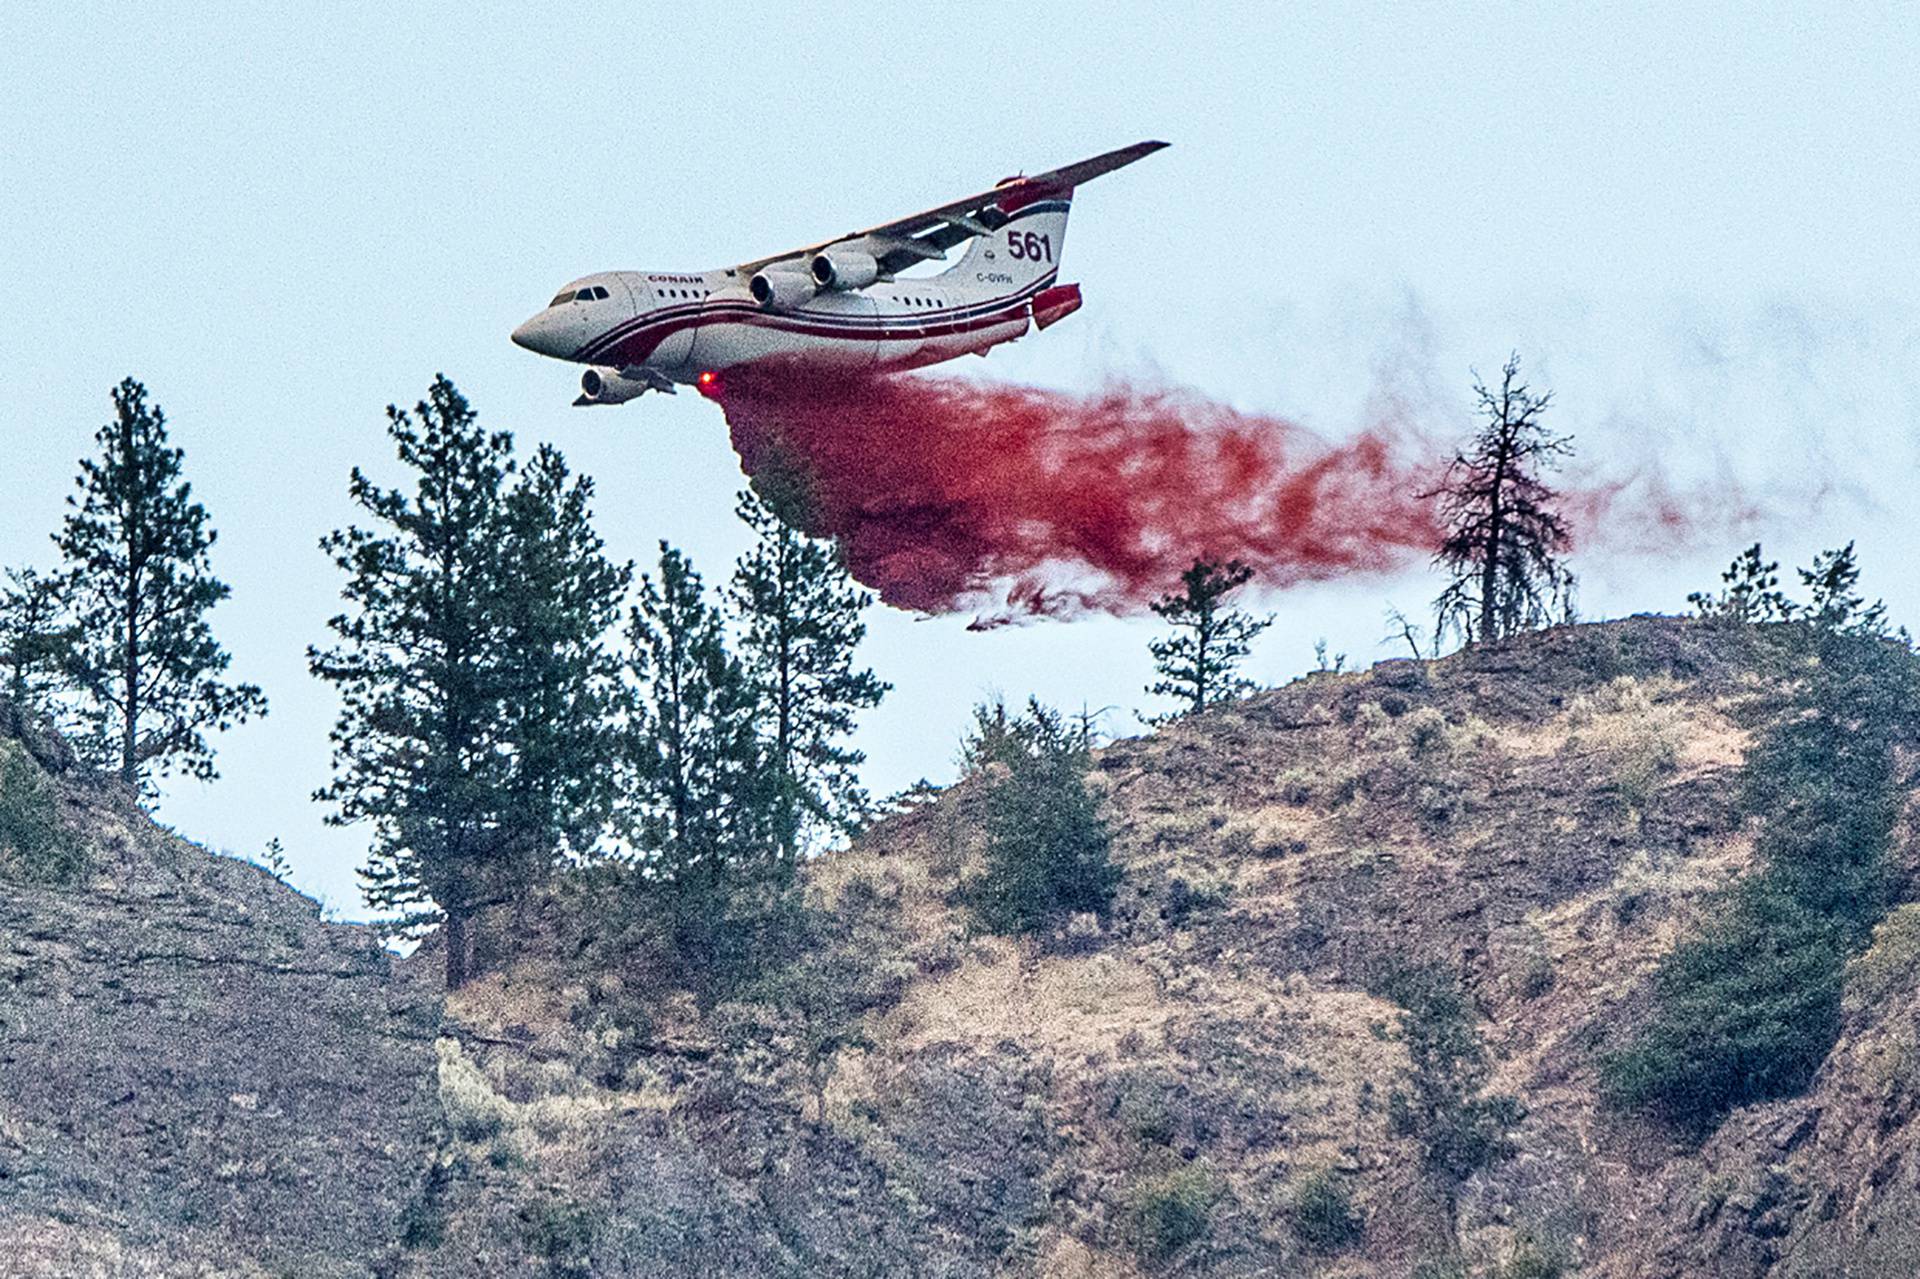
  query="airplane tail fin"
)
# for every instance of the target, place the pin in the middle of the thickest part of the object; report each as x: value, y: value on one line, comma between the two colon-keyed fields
x: 1022, y: 233
x: 1023, y: 246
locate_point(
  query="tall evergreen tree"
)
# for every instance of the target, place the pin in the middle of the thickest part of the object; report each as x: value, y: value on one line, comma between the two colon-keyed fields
x: 800, y: 623
x: 138, y: 585
x: 418, y: 744
x: 700, y: 807
x: 1199, y: 662
x: 1503, y: 539
x: 560, y: 683
x: 36, y: 641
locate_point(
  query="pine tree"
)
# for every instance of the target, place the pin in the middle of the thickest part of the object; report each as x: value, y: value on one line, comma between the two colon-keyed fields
x: 1750, y: 592
x: 138, y: 586
x: 1198, y: 663
x: 1835, y: 604
x: 1503, y: 539
x: 1048, y: 849
x: 36, y: 641
x: 417, y: 747
x: 800, y: 623
x: 701, y: 814
x: 996, y: 736
x: 559, y: 681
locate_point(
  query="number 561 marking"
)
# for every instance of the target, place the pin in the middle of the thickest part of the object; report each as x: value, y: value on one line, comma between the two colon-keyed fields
x: 1034, y: 248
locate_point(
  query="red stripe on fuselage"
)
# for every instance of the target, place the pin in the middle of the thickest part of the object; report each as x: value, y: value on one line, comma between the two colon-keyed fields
x: 877, y: 326
x: 644, y: 333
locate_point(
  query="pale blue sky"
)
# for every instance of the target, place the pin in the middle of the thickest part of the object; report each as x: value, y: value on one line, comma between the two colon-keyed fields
x: 1700, y: 226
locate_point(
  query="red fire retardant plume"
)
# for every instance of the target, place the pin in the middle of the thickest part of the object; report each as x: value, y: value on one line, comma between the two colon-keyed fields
x: 951, y: 495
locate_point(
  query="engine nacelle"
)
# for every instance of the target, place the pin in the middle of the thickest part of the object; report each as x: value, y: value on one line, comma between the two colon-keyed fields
x: 844, y: 269
x: 608, y: 386
x: 782, y: 288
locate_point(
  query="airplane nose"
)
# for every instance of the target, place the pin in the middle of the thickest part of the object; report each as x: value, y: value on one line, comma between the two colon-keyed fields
x: 527, y: 335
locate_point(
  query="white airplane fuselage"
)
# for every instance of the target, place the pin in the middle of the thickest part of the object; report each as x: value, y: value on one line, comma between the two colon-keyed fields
x: 642, y: 330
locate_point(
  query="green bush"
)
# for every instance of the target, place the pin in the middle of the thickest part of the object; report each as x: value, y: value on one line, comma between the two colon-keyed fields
x: 1890, y: 965
x: 1323, y: 1215
x: 1142, y: 1108
x: 1536, y: 976
x: 1183, y: 899
x: 1427, y: 733
x: 34, y: 844
x: 1048, y: 850
x: 562, y: 1233
x: 1171, y: 1211
x: 1747, y: 1011
x: 423, y: 1222
x: 1445, y: 1107
x: 1744, y: 1014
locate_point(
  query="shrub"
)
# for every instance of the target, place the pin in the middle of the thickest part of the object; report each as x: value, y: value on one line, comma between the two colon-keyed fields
x: 1626, y: 695
x: 1747, y: 1011
x: 34, y: 843
x: 1183, y: 899
x: 1143, y: 1110
x: 1048, y: 849
x: 473, y: 1109
x: 1744, y: 1014
x: 1536, y: 976
x: 1171, y: 1211
x: 1371, y: 719
x: 1439, y: 1268
x: 1460, y: 1130
x: 1435, y: 803
x: 423, y: 1222
x: 1323, y: 1214
x: 561, y: 1232
x: 1644, y: 761
x: 1427, y: 732
x: 1297, y: 787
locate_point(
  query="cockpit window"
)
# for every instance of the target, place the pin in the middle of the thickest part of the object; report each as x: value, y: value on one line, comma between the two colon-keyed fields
x: 600, y: 291
x: 558, y: 298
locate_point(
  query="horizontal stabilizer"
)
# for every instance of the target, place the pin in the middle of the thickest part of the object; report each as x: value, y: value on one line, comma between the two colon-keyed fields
x: 1050, y: 306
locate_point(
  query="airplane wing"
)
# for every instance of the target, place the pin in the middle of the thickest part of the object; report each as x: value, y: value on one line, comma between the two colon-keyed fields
x: 922, y: 236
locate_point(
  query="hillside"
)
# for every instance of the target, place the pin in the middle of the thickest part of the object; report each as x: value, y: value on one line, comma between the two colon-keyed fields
x: 203, y: 1078
x: 197, y: 1074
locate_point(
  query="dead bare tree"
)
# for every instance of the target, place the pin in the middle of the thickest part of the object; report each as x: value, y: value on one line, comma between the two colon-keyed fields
x: 1400, y: 627
x: 1504, y: 539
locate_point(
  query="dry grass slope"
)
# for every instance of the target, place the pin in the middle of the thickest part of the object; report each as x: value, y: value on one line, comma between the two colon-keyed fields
x: 1203, y: 1083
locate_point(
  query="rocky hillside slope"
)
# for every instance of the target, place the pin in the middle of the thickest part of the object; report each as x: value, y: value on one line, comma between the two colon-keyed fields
x: 201, y: 1078
x: 197, y: 1075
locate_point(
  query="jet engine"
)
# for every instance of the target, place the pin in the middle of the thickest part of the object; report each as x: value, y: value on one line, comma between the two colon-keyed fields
x: 844, y: 269
x: 782, y: 288
x: 608, y: 386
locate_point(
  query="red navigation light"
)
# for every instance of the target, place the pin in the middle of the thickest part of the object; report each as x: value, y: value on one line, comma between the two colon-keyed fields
x: 706, y: 378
